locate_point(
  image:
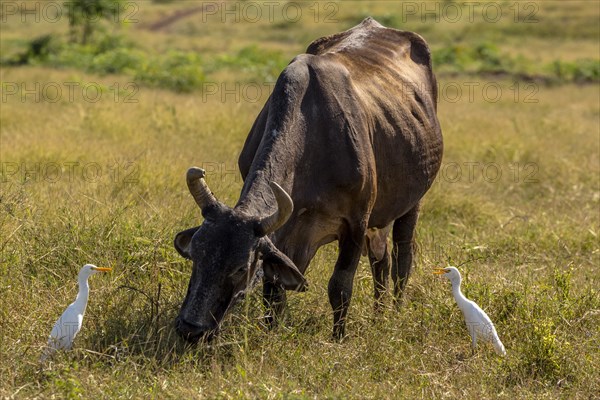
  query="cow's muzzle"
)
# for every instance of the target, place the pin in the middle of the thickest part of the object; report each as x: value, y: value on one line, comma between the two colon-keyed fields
x: 193, y: 332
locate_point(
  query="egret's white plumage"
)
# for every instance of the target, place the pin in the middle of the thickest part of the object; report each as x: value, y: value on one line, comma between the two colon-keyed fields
x: 480, y: 326
x: 69, y: 324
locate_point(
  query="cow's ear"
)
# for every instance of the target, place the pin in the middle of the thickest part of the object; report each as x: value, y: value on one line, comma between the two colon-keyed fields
x: 183, y: 240
x: 279, y: 269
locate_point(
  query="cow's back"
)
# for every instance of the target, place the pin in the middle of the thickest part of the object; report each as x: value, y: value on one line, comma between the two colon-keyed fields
x: 380, y: 80
x: 393, y: 81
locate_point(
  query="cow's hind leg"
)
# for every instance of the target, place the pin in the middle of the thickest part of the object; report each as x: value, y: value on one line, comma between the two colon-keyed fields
x: 341, y: 282
x: 379, y: 258
x: 403, y: 250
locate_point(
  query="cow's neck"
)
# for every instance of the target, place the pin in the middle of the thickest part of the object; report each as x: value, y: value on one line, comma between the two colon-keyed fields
x: 281, y: 144
x: 274, y: 162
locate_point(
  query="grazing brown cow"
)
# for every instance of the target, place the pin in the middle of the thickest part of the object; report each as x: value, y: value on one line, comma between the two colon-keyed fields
x: 344, y: 149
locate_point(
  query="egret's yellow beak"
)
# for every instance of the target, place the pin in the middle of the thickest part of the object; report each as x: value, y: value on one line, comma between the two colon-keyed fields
x: 103, y: 269
x: 439, y: 271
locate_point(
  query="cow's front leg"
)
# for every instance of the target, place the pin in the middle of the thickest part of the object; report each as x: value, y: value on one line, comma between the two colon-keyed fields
x: 340, y: 284
x: 274, y: 299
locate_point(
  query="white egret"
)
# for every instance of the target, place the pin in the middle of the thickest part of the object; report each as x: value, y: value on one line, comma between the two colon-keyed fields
x: 480, y: 326
x: 69, y: 324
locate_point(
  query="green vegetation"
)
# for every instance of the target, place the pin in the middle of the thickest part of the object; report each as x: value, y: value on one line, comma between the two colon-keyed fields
x: 84, y: 17
x: 185, y: 71
x: 485, y: 59
x: 182, y: 71
x: 515, y: 205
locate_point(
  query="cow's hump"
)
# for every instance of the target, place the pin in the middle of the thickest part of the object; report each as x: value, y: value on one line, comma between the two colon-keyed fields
x: 371, y: 36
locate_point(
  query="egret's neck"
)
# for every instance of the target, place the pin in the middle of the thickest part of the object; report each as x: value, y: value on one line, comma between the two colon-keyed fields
x: 458, y: 296
x: 84, y: 291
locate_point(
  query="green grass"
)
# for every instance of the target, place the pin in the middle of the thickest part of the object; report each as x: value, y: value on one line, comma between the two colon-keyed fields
x: 527, y: 240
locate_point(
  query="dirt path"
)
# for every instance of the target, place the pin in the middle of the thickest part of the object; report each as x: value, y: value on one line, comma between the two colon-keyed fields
x: 176, y: 16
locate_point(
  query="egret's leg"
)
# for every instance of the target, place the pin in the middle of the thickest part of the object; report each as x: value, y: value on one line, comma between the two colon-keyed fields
x: 473, y: 342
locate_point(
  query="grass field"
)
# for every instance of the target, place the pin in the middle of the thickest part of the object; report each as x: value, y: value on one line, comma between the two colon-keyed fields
x: 93, y: 171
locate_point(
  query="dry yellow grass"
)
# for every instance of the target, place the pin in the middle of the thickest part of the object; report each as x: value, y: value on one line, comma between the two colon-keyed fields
x: 527, y: 239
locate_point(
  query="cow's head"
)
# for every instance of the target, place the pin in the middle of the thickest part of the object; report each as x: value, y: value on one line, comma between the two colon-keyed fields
x: 227, y: 251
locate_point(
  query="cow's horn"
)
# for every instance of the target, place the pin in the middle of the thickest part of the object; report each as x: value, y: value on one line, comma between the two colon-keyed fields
x: 285, y: 206
x: 198, y: 187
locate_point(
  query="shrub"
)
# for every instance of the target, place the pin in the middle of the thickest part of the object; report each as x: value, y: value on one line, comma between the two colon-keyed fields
x: 120, y: 60
x: 582, y: 70
x: 484, y: 57
x: 264, y: 64
x: 179, y: 71
x: 37, y: 51
x: 73, y: 55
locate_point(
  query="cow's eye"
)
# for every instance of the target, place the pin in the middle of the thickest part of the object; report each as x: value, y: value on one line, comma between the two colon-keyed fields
x: 240, y: 272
